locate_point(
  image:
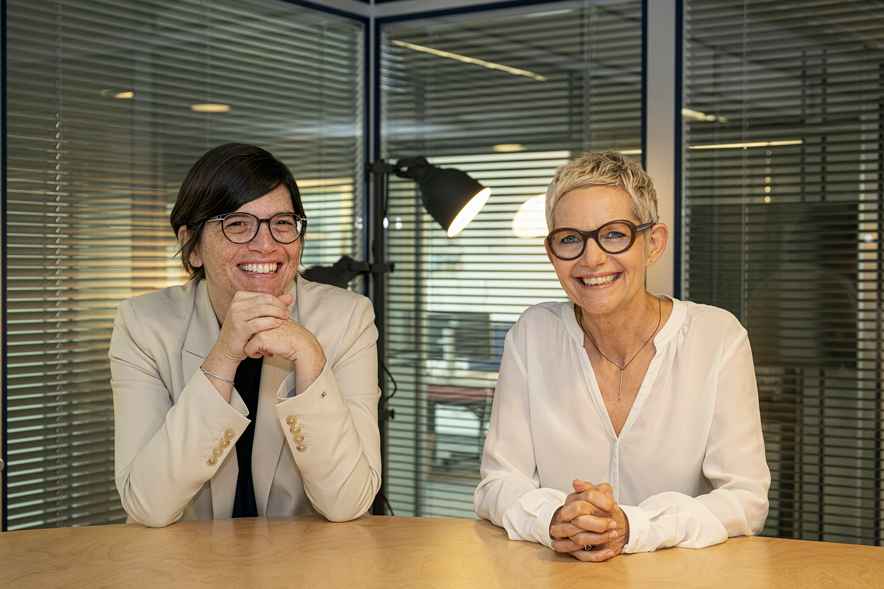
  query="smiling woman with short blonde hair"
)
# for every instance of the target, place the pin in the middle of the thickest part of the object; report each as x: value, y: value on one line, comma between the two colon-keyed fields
x: 622, y: 421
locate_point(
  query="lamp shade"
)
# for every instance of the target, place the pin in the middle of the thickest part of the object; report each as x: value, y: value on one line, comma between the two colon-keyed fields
x: 450, y: 196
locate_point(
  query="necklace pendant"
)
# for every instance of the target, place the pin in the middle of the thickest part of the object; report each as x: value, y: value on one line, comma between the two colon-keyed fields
x: 625, y: 366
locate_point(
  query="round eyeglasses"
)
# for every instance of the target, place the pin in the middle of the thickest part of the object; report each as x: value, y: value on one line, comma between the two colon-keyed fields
x: 243, y: 227
x: 614, y: 237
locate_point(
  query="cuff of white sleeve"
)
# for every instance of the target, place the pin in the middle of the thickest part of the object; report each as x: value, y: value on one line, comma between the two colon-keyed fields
x: 544, y: 519
x: 528, y: 518
x: 639, y: 528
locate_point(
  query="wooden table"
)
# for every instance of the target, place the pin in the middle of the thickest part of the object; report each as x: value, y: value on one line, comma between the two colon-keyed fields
x: 307, y: 551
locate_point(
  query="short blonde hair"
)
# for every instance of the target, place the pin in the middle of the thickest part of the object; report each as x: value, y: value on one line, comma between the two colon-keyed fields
x: 605, y: 168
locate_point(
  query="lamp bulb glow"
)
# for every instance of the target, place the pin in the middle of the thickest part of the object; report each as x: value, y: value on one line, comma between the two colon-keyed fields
x: 530, y: 220
x: 467, y: 213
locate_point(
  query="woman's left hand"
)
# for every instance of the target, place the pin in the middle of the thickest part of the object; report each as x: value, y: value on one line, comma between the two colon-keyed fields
x: 292, y: 341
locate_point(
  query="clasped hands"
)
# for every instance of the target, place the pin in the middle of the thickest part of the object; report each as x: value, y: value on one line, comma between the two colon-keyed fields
x: 590, y: 517
x: 256, y: 325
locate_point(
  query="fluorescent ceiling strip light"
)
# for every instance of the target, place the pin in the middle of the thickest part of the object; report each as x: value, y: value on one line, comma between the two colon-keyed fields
x: 508, y: 147
x: 747, y: 145
x: 701, y: 116
x: 472, y: 60
x: 210, y: 107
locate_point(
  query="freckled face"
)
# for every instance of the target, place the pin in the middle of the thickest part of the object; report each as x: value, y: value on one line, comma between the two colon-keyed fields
x: 599, y: 282
x: 261, y: 265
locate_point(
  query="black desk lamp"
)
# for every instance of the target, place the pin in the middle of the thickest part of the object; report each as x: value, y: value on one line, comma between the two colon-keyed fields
x: 449, y: 195
x: 453, y: 199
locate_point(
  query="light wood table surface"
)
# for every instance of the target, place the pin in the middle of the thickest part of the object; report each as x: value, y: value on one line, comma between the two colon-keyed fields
x: 307, y: 551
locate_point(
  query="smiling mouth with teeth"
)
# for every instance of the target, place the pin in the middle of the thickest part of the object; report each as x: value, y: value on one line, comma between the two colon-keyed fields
x: 259, y: 268
x: 598, y: 281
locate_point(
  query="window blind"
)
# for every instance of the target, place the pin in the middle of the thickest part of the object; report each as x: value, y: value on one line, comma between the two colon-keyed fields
x: 783, y: 214
x: 109, y: 103
x: 505, y: 97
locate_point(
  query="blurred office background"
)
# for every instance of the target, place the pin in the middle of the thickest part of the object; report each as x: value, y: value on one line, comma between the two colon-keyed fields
x: 762, y: 122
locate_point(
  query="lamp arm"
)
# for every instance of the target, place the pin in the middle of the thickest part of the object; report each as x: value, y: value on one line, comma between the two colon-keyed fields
x: 380, y: 167
x: 367, y: 267
x: 413, y: 168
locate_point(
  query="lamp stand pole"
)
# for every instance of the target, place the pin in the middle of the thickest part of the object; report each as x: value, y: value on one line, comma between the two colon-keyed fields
x: 445, y: 194
x: 380, y: 171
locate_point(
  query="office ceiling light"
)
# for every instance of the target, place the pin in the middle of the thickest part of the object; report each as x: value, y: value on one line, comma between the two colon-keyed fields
x: 463, y: 58
x: 701, y: 116
x: 210, y: 107
x: 508, y: 147
x: 451, y: 197
x: 115, y: 94
x: 747, y: 145
x: 530, y: 220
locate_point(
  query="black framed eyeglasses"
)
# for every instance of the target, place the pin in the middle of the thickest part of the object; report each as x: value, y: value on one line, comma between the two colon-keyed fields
x: 243, y: 227
x: 614, y: 237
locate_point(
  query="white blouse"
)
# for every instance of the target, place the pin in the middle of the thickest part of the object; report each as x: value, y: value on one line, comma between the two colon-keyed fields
x: 688, y: 468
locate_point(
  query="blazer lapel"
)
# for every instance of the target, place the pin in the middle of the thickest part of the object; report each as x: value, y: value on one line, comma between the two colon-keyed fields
x: 269, y: 437
x: 202, y: 333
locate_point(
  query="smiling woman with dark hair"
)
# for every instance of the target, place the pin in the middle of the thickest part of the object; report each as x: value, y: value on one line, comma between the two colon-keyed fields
x: 246, y: 358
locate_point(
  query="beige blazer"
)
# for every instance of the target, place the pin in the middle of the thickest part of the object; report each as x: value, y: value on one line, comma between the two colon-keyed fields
x: 170, y: 419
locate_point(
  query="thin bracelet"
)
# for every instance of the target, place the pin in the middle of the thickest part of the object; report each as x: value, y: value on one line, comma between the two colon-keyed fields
x: 207, y: 373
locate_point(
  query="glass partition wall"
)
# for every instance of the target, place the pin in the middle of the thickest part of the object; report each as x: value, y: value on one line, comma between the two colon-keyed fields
x: 506, y: 97
x: 109, y: 103
x: 784, y: 226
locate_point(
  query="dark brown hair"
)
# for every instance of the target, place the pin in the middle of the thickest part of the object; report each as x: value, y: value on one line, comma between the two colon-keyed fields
x: 222, y: 180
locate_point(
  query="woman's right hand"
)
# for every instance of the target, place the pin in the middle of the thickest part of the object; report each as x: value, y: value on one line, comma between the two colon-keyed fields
x: 585, y: 520
x: 248, y: 313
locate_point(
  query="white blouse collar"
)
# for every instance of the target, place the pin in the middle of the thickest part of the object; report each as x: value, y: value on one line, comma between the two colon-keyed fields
x: 666, y: 333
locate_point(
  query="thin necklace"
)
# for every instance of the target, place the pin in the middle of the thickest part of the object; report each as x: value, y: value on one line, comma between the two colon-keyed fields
x: 625, y: 366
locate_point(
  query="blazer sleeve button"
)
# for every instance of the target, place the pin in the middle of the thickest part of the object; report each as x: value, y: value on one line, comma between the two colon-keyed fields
x: 298, y: 438
x: 291, y: 420
x: 229, y: 434
x: 218, y: 451
x: 223, y: 442
x: 211, y: 461
x: 295, y: 429
x: 302, y: 447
